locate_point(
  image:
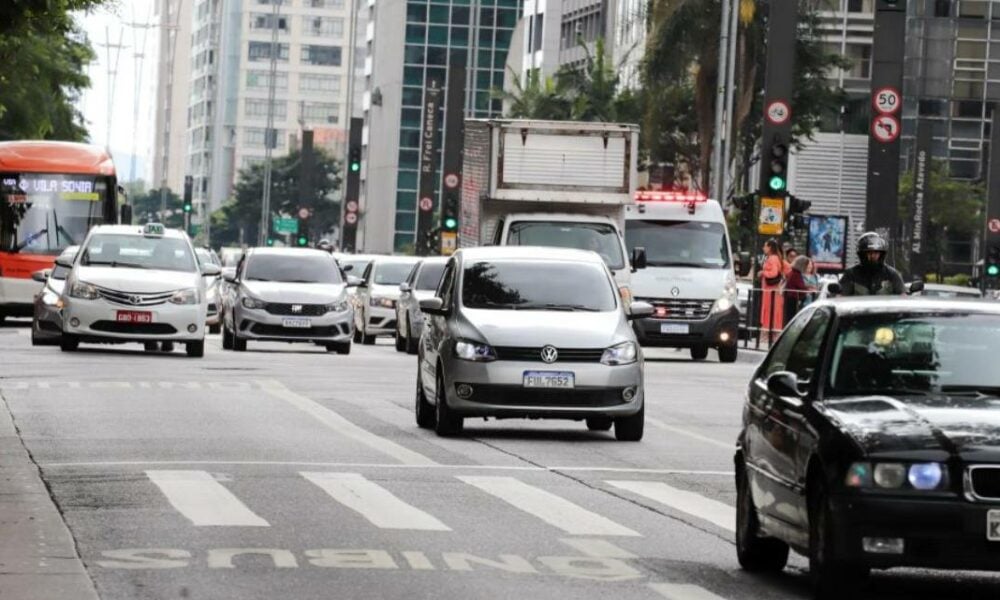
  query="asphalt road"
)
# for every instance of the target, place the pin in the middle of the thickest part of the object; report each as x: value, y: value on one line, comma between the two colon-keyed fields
x: 287, y: 472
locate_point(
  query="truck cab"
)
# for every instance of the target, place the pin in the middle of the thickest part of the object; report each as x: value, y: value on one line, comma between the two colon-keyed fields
x: 689, y: 277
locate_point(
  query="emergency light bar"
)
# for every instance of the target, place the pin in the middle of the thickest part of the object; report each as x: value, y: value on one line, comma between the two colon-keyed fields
x: 686, y: 196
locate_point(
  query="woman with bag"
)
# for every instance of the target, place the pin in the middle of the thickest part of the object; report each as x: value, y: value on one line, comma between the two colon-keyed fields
x: 771, y: 280
x: 797, y: 291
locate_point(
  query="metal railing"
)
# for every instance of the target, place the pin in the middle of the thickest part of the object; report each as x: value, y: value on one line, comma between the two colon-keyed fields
x: 764, y: 312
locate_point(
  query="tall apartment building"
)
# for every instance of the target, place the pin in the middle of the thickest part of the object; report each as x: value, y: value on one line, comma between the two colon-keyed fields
x: 554, y: 29
x: 173, y: 91
x: 231, y: 47
x: 409, y: 41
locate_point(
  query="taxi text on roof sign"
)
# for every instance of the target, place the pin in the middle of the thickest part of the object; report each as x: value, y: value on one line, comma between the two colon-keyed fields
x: 153, y: 230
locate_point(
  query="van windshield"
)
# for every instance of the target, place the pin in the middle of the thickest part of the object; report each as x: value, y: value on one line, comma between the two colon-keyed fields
x: 602, y: 238
x: 679, y: 243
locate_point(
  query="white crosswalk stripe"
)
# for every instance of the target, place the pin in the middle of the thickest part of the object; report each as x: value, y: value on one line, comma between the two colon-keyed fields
x: 686, y: 591
x: 548, y: 507
x: 374, y: 502
x: 203, y: 500
x: 696, y: 505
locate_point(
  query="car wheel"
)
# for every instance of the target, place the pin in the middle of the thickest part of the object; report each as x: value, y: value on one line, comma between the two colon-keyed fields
x: 423, y: 411
x: 167, y: 346
x: 412, y: 343
x: 151, y: 347
x: 195, y: 349
x: 239, y: 344
x: 831, y: 579
x: 69, y: 343
x: 600, y: 423
x: 755, y: 554
x: 367, y: 340
x: 728, y: 354
x: 446, y: 422
x: 630, y: 429
x: 339, y: 347
x: 227, y: 338
x: 400, y: 341
x: 699, y: 352
x: 214, y: 329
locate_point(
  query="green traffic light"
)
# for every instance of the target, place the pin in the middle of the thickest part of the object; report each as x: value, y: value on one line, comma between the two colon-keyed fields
x: 303, y: 241
x: 355, y: 167
x: 270, y: 241
x: 993, y: 270
x: 450, y: 223
x: 187, y: 208
x: 777, y: 183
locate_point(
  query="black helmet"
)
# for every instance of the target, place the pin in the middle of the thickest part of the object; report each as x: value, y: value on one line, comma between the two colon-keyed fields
x: 872, y: 242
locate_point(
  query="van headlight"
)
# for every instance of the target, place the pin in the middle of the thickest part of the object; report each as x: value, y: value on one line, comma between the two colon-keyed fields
x: 83, y: 290
x: 474, y: 351
x: 620, y: 354
x: 728, y: 299
x: 190, y: 296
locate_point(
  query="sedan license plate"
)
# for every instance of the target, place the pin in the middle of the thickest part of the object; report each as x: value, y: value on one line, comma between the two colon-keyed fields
x: 675, y: 328
x: 549, y: 379
x: 297, y: 323
x: 133, y: 316
x: 993, y: 525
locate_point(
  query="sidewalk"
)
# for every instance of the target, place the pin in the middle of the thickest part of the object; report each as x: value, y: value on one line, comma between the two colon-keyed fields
x: 38, y: 558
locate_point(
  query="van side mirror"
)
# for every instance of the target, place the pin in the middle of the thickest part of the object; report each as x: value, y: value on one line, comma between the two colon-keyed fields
x: 638, y: 258
x: 353, y: 281
x: 126, y: 214
x: 210, y: 270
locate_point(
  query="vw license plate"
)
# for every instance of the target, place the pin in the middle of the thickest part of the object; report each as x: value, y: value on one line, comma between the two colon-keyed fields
x: 297, y: 323
x: 675, y: 328
x: 549, y: 379
x: 133, y: 316
x: 993, y: 525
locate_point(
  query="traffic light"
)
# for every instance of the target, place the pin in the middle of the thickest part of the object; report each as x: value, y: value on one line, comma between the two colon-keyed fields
x: 302, y: 240
x: 777, y: 181
x: 450, y: 212
x: 354, y: 159
x: 992, y: 266
x: 188, y: 193
x: 797, y: 206
x: 270, y: 241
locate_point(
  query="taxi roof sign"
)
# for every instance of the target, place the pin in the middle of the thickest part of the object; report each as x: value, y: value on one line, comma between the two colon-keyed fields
x: 154, y: 230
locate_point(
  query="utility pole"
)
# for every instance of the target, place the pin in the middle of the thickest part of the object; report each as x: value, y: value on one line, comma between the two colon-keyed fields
x: 112, y: 73
x: 270, y: 135
x: 138, y: 58
x: 991, y: 231
x: 718, y: 152
x: 727, y: 123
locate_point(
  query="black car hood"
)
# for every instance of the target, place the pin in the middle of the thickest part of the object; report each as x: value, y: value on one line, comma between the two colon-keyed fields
x: 892, y: 425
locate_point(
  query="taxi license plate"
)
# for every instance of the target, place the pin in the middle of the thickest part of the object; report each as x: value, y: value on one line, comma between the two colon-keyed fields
x: 297, y: 323
x: 133, y: 316
x: 675, y: 328
x: 993, y: 525
x: 549, y: 379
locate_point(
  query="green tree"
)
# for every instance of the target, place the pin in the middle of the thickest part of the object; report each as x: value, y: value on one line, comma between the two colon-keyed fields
x: 147, y: 206
x: 243, y: 212
x: 534, y: 98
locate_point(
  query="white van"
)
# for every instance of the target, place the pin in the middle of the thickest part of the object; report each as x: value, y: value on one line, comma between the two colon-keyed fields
x: 689, y: 277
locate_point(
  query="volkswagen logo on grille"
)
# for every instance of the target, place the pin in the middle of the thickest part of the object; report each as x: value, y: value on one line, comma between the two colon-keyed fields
x: 549, y: 354
x: 675, y: 292
x: 135, y: 299
x: 296, y: 308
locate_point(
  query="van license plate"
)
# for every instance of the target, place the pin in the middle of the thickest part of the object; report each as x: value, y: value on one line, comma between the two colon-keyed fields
x: 675, y: 328
x: 297, y: 323
x: 549, y: 379
x: 993, y: 525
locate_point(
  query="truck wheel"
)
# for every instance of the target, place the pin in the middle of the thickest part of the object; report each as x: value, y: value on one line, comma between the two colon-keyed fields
x: 699, y: 352
x: 728, y: 354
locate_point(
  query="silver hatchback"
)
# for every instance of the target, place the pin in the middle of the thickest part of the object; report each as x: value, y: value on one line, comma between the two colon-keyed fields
x: 522, y: 332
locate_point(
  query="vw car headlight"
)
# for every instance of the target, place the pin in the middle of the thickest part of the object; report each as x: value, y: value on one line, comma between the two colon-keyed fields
x: 620, y: 354
x: 474, y: 351
x: 922, y: 477
x: 190, y: 296
x: 79, y: 289
x: 382, y: 302
x: 254, y: 303
x: 341, y: 306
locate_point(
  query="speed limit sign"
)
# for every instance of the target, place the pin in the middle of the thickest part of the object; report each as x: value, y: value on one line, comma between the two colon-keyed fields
x: 887, y: 100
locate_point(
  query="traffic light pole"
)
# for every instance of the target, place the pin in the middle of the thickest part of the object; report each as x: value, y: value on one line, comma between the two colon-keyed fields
x: 991, y: 230
x: 454, y: 142
x: 350, y: 209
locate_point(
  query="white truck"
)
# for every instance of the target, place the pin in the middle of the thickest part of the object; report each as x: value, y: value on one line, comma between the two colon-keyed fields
x: 550, y: 183
x: 689, y: 277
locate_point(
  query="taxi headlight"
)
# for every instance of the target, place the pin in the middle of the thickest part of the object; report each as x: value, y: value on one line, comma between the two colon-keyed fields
x: 474, y: 351
x: 190, y: 296
x: 382, y: 302
x: 338, y: 306
x: 620, y: 354
x: 253, y: 303
x: 83, y: 290
x: 50, y: 298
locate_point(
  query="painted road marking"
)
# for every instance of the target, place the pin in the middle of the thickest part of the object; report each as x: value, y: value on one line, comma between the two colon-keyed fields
x: 552, y: 509
x: 683, y: 591
x: 203, y: 500
x: 596, y: 548
x: 374, y: 502
x: 690, y: 434
x: 344, y: 427
x: 696, y: 505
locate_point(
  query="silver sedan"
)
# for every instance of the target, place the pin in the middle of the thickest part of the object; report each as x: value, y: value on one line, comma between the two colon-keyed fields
x: 522, y: 332
x: 420, y: 285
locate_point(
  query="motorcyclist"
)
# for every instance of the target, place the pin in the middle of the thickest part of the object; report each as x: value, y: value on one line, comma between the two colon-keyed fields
x: 871, y: 276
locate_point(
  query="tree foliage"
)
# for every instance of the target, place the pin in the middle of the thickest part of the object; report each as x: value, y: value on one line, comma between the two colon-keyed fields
x: 535, y: 98
x: 44, y: 55
x: 147, y: 206
x: 243, y: 212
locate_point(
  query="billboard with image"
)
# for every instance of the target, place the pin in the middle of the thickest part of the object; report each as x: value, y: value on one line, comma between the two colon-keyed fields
x: 827, y: 243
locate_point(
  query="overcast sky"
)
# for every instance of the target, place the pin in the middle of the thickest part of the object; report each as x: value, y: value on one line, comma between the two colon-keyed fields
x: 112, y: 25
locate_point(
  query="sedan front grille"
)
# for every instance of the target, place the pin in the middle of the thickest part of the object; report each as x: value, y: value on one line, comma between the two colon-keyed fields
x: 983, y: 482
x: 133, y: 298
x: 303, y: 310
x: 530, y: 354
x: 677, y: 309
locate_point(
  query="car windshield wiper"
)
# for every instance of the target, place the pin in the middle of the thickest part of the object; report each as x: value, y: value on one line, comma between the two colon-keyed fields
x: 555, y: 306
x: 257, y: 279
x: 971, y: 390
x: 298, y: 281
x: 114, y: 264
x: 666, y: 263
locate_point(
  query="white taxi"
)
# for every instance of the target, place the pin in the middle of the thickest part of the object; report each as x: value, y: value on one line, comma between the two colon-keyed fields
x: 136, y: 284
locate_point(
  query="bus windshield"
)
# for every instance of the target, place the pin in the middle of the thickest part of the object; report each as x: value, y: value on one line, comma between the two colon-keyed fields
x: 43, y: 213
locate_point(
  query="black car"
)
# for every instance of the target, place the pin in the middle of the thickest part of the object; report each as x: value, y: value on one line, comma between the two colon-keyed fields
x: 871, y: 439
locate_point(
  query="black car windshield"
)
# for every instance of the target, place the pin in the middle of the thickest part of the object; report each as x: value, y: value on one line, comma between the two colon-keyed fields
x: 599, y: 237
x: 537, y: 285
x: 430, y: 276
x: 934, y: 353
x: 293, y: 269
x: 392, y: 273
x: 138, y: 252
x: 679, y: 243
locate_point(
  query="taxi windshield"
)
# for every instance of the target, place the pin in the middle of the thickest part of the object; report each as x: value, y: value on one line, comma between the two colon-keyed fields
x: 392, y: 273
x: 932, y: 353
x: 138, y: 252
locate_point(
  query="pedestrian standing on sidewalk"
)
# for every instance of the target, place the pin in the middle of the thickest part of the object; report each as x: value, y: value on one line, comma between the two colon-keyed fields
x: 771, y: 281
x: 797, y: 291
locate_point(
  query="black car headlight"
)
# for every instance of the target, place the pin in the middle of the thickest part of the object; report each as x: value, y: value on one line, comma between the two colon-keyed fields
x: 923, y: 477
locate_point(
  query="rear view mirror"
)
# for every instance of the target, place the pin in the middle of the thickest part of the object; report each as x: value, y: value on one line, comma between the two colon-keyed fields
x: 744, y: 258
x: 640, y: 310
x: 638, y: 258
x: 916, y: 287
x: 41, y: 276
x: 433, y: 306
x: 784, y: 384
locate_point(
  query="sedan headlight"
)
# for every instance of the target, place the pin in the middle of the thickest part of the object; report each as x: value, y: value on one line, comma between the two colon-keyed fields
x: 341, y: 306
x: 923, y: 477
x: 190, y: 296
x: 382, y: 302
x: 79, y: 289
x: 474, y: 351
x: 253, y: 303
x: 620, y: 354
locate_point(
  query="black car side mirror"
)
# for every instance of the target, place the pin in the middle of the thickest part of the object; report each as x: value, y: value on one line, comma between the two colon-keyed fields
x: 347, y: 268
x: 784, y: 384
x: 638, y: 258
x: 916, y: 287
x: 834, y: 289
x: 433, y: 306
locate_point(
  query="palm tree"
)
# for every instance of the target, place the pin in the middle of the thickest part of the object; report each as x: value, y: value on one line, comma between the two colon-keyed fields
x: 592, y: 87
x: 534, y: 99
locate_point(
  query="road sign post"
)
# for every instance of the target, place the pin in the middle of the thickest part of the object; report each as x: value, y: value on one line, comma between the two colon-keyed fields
x: 921, y: 200
x: 286, y: 226
x: 990, y: 279
x: 454, y: 143
x: 428, y: 164
x: 349, y: 227
x: 771, y: 219
x: 779, y: 88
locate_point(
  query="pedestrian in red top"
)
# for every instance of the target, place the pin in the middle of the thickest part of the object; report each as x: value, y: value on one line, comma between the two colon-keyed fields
x: 771, y: 280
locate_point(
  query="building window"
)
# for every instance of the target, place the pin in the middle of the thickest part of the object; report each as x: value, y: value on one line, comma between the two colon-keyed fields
x: 416, y: 13
x: 262, y: 51
x: 327, y: 112
x: 266, y: 21
x: 262, y: 80
x: 414, y: 55
x: 325, y: 26
x: 321, y: 55
x: 973, y: 9
x: 439, y: 14
x: 942, y: 8
x: 406, y: 180
x: 406, y: 200
x: 258, y: 108
x: 309, y: 82
x: 460, y: 15
x: 416, y: 34
x: 254, y: 137
x: 324, y: 3
x: 537, y: 27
